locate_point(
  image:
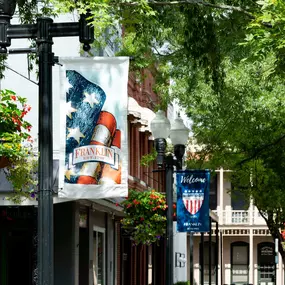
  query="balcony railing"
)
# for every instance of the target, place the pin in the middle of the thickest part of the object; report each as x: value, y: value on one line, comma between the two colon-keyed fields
x: 240, y: 217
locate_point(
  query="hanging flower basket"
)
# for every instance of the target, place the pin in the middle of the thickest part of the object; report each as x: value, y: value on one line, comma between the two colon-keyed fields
x: 145, y: 216
x: 16, y: 153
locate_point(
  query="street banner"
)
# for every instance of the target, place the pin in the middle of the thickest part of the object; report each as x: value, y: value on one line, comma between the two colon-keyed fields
x: 193, y: 200
x: 94, y: 154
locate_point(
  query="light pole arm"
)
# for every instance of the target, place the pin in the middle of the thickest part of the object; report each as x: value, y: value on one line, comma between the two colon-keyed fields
x: 83, y: 29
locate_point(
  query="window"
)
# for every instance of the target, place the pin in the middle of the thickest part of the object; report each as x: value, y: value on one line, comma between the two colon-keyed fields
x: 239, y: 262
x: 239, y: 200
x: 99, y: 256
x: 213, y: 192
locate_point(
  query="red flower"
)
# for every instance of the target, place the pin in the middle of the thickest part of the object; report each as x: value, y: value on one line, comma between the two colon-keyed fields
x: 117, y: 204
x: 142, y: 218
x: 129, y: 205
x: 23, y: 114
x: 29, y: 128
x: 27, y: 108
x: 13, y: 97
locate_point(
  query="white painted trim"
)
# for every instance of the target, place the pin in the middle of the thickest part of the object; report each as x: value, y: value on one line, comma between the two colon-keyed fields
x: 251, y: 271
x: 103, y: 231
x: 27, y: 202
x: 99, y: 229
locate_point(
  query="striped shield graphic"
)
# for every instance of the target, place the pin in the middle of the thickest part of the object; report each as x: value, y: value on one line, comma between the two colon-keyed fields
x: 193, y: 202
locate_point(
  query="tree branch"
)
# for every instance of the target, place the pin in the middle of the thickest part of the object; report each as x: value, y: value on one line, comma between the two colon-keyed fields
x: 261, y: 149
x: 193, y: 2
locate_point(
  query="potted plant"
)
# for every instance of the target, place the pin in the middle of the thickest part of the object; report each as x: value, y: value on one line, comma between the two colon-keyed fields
x: 145, y: 216
x: 16, y: 153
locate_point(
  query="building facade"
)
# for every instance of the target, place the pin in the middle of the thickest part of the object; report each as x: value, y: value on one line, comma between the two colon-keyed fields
x: 90, y: 247
x: 246, y: 248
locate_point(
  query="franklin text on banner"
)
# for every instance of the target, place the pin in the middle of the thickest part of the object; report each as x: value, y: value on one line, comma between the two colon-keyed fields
x: 94, y: 154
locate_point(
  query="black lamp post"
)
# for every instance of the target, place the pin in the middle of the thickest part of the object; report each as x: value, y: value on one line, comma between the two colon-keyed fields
x: 160, y: 128
x: 43, y: 32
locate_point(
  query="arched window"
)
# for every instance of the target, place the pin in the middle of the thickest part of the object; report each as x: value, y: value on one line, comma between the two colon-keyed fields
x: 239, y: 262
x: 266, y: 263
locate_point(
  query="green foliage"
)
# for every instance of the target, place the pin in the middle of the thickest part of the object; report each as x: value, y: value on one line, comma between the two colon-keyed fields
x: 265, y: 34
x: 13, y: 127
x: 21, y: 173
x: 225, y: 60
x: 148, y: 158
x: 182, y: 283
x: 242, y: 129
x: 145, y: 216
x: 14, y: 134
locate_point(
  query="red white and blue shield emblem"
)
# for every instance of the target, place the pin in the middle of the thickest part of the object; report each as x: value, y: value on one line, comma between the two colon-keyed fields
x: 193, y: 201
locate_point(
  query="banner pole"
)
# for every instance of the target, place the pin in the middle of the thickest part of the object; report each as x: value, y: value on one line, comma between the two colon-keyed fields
x: 202, y: 258
x: 191, y: 259
x: 169, y: 228
x: 45, y: 208
x: 210, y: 251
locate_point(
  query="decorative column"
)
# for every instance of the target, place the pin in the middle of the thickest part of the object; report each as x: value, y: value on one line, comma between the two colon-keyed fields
x: 220, y: 258
x: 221, y: 196
x: 256, y: 273
x: 251, y: 212
x: 250, y: 277
x: 279, y: 270
x: 197, y: 273
x: 227, y: 277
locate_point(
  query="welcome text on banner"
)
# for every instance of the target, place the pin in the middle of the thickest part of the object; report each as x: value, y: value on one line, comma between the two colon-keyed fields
x: 193, y: 200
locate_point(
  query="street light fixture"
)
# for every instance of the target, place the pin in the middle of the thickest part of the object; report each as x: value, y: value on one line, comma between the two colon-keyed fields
x: 43, y: 32
x: 160, y: 128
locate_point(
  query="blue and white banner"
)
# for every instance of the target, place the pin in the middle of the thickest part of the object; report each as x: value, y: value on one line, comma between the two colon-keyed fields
x: 193, y: 188
x: 94, y: 154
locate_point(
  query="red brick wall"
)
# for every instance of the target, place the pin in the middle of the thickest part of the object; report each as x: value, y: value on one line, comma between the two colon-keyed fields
x: 139, y: 145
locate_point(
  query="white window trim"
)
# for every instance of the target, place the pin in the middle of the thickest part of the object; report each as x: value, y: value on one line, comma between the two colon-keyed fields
x: 103, y: 231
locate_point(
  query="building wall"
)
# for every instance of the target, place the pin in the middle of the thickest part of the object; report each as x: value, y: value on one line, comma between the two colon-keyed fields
x: 75, y: 249
x: 241, y: 225
x: 226, y: 260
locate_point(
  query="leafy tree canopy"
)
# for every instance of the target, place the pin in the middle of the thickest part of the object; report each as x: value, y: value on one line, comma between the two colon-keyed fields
x: 226, y: 59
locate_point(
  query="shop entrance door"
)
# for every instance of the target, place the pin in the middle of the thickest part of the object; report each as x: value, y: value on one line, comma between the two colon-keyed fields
x: 266, y: 264
x: 16, y: 245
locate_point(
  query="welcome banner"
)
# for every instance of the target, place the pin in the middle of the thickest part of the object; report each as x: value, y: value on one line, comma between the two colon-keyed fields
x: 193, y: 200
x: 94, y: 155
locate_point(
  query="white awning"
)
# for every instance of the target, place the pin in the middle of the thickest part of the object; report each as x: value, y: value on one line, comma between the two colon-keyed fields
x: 141, y: 115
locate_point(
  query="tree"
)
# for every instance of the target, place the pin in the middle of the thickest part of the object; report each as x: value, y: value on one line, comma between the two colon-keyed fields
x: 243, y: 130
x: 266, y: 34
x: 236, y: 105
